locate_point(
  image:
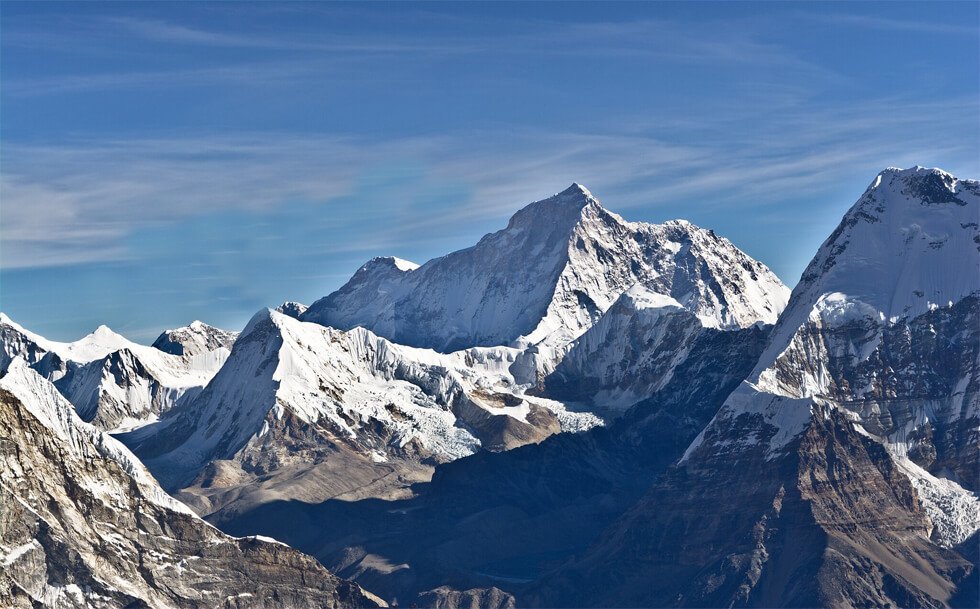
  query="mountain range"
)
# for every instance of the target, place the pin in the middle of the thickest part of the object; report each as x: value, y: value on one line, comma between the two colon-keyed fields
x: 576, y: 411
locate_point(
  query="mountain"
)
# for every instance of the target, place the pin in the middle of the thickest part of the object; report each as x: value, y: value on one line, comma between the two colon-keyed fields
x: 196, y: 339
x: 630, y: 353
x: 19, y: 342
x: 843, y: 470
x: 319, y: 400
x: 549, y: 276
x: 114, y: 383
x: 499, y: 519
x: 827, y: 461
x: 731, y: 448
x: 84, y: 524
x: 884, y: 326
x: 292, y: 309
x: 308, y: 412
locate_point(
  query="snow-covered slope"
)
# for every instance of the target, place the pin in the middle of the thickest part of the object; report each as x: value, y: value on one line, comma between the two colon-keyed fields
x: 84, y: 524
x: 630, y: 353
x: 18, y: 341
x: 133, y: 386
x: 114, y: 383
x: 195, y: 339
x: 549, y: 276
x: 885, y: 326
x: 301, y: 392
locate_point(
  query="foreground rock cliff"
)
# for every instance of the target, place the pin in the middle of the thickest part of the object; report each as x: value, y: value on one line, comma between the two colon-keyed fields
x: 82, y: 523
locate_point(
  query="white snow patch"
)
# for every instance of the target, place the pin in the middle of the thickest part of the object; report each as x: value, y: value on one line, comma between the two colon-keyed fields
x: 13, y: 554
x: 954, y: 511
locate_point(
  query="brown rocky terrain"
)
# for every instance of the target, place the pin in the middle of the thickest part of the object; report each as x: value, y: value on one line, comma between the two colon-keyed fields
x: 83, y: 524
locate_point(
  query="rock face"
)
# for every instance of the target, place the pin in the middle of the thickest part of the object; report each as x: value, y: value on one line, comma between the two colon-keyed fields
x: 548, y: 277
x: 834, y: 475
x: 292, y: 309
x: 831, y: 522
x: 444, y: 597
x: 630, y: 353
x: 84, y: 524
x: 863, y: 335
x: 114, y: 383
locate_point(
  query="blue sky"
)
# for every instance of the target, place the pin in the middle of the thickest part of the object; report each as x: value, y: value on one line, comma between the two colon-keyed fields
x: 161, y: 163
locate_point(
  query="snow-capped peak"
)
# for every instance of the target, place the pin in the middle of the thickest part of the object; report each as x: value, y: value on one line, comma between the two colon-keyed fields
x: 96, y: 345
x: 898, y: 277
x: 292, y: 309
x: 908, y: 245
x: 388, y: 263
x: 548, y: 276
x: 196, y: 338
x: 112, y: 382
x: 558, y: 212
x: 404, y: 265
x: 5, y: 320
x: 576, y: 187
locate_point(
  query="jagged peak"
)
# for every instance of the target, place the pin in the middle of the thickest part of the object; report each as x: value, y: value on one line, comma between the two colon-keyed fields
x: 292, y: 309
x: 394, y: 262
x: 559, y: 212
x: 197, y: 326
x: 908, y: 193
x: 387, y: 263
x: 576, y: 189
x: 917, y: 170
x: 680, y: 225
x: 924, y: 184
x: 193, y: 339
x: 903, y: 247
x: 262, y: 316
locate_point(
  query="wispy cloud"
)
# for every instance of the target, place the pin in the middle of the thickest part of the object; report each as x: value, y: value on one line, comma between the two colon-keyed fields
x: 278, y: 58
x: 175, y: 33
x: 79, y: 201
x: 256, y: 74
x: 879, y: 22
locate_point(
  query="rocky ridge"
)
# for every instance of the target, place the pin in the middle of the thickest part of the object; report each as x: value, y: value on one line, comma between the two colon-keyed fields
x: 84, y: 524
